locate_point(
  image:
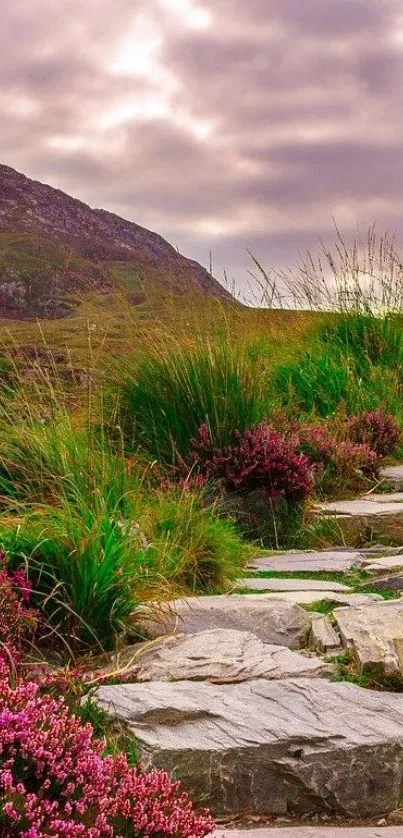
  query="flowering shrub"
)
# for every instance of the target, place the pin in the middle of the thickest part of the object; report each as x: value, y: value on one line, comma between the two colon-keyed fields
x: 17, y: 620
x: 339, y: 463
x: 376, y: 429
x: 54, y: 779
x: 258, y: 458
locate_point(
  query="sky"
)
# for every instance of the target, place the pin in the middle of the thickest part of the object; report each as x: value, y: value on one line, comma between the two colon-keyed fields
x: 225, y: 125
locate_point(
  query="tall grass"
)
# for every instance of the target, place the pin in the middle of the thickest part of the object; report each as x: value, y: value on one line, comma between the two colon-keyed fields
x: 351, y: 366
x: 168, y: 398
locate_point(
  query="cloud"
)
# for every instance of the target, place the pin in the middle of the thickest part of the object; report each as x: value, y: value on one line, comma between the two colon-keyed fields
x: 221, y: 124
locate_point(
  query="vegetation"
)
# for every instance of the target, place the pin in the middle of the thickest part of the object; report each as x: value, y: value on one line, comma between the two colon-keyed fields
x: 150, y: 458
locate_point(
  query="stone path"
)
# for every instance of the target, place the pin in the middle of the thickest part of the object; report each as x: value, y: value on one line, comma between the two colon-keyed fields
x: 314, y: 832
x: 235, y: 696
x: 374, y: 515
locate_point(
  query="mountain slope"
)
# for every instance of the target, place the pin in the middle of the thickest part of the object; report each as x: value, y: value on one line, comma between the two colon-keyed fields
x: 54, y: 247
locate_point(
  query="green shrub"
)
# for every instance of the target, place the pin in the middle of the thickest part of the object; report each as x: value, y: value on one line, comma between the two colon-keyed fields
x: 169, y: 398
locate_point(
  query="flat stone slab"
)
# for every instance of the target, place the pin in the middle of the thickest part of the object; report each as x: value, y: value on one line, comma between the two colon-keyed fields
x: 385, y: 563
x: 375, y: 634
x: 220, y: 656
x: 310, y: 561
x: 387, y: 583
x: 278, y: 622
x: 262, y: 584
x: 365, y: 518
x: 378, y: 497
x: 313, y: 832
x: 307, y: 597
x: 393, y: 477
x: 296, y: 746
x: 361, y: 507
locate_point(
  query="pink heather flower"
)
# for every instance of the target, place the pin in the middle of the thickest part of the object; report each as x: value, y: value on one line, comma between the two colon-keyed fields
x: 258, y: 458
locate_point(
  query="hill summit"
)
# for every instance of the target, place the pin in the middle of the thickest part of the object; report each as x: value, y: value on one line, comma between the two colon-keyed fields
x: 54, y: 247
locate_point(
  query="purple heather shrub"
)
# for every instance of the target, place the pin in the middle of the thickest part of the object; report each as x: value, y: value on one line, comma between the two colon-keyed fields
x: 55, y: 781
x: 376, y: 429
x: 339, y: 463
x: 257, y: 458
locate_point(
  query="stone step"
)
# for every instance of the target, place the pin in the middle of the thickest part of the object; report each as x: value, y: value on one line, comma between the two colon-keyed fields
x: 262, y: 584
x: 314, y: 832
x: 311, y: 561
x: 220, y: 656
x: 375, y: 634
x: 275, y: 621
x: 366, y: 517
x: 295, y: 746
x: 310, y: 596
x: 392, y: 477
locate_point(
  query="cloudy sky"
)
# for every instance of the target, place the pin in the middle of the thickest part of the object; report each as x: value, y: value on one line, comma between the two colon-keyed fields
x: 222, y: 124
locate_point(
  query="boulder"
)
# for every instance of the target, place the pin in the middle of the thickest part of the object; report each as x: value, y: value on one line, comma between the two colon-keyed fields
x: 375, y: 634
x: 221, y: 656
x: 277, y: 622
x: 295, y: 746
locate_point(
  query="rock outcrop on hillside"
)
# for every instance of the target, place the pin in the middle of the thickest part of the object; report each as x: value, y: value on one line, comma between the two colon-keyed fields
x: 53, y: 246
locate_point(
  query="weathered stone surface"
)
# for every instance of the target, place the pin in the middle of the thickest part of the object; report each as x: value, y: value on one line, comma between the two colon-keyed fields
x: 307, y: 597
x: 222, y: 656
x: 389, y: 497
x: 323, y: 637
x: 310, y: 561
x: 362, y: 507
x: 313, y: 832
x: 385, y: 563
x: 393, y: 477
x: 277, y: 622
x: 364, y: 518
x: 387, y: 583
x: 375, y: 633
x: 296, y: 746
x: 262, y: 584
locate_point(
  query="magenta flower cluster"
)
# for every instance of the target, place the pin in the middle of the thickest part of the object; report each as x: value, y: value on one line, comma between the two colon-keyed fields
x: 55, y: 781
x: 18, y: 621
x: 258, y: 458
x: 376, y: 429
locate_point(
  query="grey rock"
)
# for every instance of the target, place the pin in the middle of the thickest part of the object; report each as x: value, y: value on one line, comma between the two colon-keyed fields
x: 362, y: 507
x: 308, y: 597
x: 272, y: 747
x: 385, y: 563
x: 323, y: 637
x: 375, y: 634
x: 313, y: 832
x: 262, y: 584
x: 277, y: 622
x: 393, y: 477
x: 387, y: 583
x: 390, y: 497
x: 310, y: 561
x: 363, y: 519
x: 222, y: 656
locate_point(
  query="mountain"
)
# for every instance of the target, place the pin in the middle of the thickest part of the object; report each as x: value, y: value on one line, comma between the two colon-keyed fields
x: 54, y: 248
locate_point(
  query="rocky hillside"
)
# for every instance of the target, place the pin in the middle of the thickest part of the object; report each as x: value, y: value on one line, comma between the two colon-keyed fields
x: 54, y: 248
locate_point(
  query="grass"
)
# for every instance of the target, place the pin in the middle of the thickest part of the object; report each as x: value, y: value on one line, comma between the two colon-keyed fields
x: 168, y: 399
x: 84, y: 492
